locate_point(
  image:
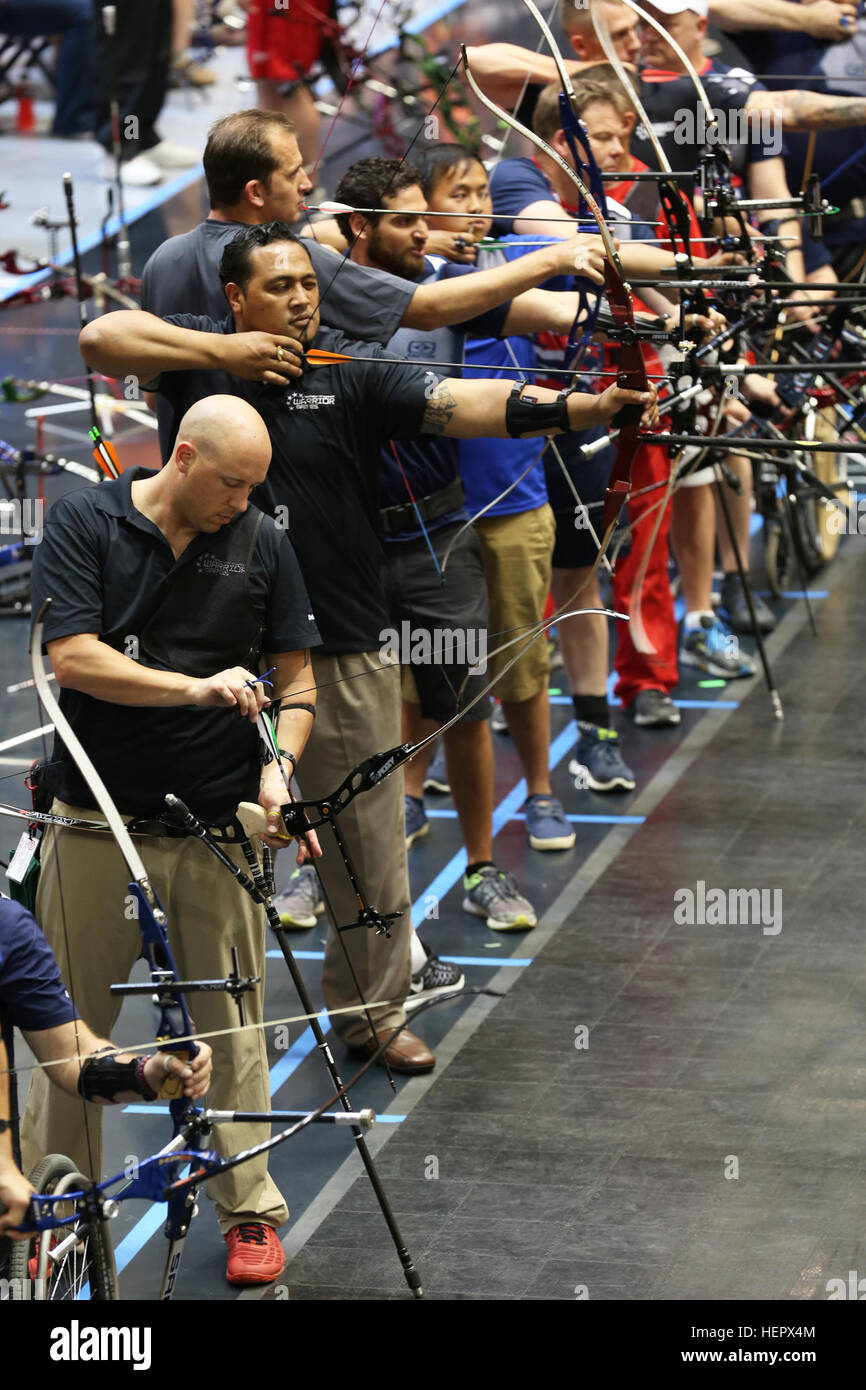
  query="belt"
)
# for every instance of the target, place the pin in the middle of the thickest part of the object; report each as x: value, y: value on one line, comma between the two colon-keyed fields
x: 405, y: 518
x: 144, y: 825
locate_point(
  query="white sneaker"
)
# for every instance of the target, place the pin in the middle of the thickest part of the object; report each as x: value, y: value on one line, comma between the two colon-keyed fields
x: 169, y: 156
x: 140, y: 172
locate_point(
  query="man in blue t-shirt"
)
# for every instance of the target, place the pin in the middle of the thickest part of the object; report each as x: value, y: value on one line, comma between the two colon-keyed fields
x: 34, y: 998
x: 423, y: 510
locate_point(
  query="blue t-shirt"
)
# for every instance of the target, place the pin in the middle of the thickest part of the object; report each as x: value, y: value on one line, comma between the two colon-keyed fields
x: 517, y: 183
x: 32, y: 994
x: 487, y: 466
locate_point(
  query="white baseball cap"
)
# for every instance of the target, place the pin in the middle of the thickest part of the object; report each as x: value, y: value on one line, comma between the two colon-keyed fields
x: 698, y: 7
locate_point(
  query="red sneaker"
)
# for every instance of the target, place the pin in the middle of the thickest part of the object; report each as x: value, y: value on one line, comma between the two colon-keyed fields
x: 255, y: 1254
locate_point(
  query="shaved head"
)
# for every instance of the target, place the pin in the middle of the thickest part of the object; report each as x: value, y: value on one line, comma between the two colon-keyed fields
x: 225, y: 430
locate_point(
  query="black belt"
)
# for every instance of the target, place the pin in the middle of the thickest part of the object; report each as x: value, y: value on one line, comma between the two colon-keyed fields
x: 405, y: 518
x: 145, y: 825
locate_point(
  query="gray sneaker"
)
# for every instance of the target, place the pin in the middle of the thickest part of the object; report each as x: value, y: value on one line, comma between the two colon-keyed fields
x: 493, y: 894
x: 302, y: 899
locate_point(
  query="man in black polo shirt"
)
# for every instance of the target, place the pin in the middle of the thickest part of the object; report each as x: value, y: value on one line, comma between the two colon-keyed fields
x: 327, y: 428
x: 168, y: 592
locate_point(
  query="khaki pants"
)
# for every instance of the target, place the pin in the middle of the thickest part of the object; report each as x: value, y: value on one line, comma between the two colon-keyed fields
x: 355, y: 718
x: 82, y: 906
x: 518, y: 552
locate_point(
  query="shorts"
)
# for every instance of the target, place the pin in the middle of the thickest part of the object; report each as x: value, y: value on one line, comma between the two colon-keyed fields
x: 576, y: 547
x: 283, y: 47
x: 517, y: 554
x: 440, y: 631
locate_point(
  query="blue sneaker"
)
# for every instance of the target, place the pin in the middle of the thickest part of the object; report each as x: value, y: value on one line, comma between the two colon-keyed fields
x: 546, y: 824
x: 715, y: 649
x: 437, y: 773
x: 417, y: 823
x: 598, y: 764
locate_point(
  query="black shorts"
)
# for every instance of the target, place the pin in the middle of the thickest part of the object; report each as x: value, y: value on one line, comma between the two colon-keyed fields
x: 439, y: 630
x: 575, y: 547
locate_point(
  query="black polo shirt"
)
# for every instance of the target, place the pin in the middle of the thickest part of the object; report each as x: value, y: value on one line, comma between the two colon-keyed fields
x: 109, y: 570
x: 327, y: 429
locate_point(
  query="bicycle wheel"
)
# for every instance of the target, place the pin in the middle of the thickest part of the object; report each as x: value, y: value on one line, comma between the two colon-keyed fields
x: 77, y: 1257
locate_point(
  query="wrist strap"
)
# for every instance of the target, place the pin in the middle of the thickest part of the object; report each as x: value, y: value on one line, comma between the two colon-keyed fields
x: 141, y: 1084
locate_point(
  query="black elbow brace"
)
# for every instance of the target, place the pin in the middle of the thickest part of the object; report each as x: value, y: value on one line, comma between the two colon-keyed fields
x: 526, y: 414
x: 103, y: 1077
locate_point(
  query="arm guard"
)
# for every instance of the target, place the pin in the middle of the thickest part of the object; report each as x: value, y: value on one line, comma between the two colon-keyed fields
x: 526, y: 414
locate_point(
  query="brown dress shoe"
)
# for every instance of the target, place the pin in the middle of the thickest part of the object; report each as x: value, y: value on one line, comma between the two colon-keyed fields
x: 405, y: 1054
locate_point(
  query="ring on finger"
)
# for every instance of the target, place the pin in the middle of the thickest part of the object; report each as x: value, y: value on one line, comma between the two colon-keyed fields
x: 279, y: 353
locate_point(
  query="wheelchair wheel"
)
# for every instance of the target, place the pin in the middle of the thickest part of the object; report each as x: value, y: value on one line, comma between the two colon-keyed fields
x: 776, y: 557
x: 84, y: 1267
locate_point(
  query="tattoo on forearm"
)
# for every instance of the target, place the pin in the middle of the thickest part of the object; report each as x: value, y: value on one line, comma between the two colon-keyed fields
x: 823, y: 112
x: 440, y: 410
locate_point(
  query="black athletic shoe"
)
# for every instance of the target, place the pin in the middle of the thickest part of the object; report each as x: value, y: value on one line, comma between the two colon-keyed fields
x: 654, y: 709
x: 737, y: 609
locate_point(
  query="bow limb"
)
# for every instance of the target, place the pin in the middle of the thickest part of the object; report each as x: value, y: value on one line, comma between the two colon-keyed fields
x: 75, y: 748
x: 688, y: 65
x: 175, y: 1020
x: 673, y: 205
x: 542, y: 145
x: 633, y: 373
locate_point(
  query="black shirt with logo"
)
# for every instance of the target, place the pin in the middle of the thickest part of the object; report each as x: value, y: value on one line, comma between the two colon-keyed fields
x: 327, y: 429
x: 230, y: 597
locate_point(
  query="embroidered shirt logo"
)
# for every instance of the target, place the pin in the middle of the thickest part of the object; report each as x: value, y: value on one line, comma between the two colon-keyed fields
x: 209, y: 564
x: 297, y: 400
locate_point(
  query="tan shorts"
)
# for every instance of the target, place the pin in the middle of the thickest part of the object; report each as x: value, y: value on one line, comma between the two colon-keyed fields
x: 517, y: 553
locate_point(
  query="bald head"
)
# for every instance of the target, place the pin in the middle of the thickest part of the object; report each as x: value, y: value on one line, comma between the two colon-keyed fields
x: 225, y: 429
x: 220, y: 455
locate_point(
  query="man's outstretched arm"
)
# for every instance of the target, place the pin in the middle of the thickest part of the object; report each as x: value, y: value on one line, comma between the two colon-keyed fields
x: 810, y: 110
x: 479, y: 409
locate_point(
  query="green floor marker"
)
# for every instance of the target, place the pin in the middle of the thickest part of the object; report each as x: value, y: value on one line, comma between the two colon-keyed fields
x: 712, y: 685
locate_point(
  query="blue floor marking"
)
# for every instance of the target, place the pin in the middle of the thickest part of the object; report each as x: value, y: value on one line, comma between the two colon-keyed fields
x: 446, y: 879
x: 579, y: 820
x: 320, y: 955
x: 150, y: 1223
x: 163, y: 1109
x: 490, y: 961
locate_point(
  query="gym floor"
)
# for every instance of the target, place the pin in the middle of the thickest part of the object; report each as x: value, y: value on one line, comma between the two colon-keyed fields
x: 653, y: 1110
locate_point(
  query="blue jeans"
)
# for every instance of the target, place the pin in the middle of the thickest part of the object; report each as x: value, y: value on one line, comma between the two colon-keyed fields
x: 74, y: 20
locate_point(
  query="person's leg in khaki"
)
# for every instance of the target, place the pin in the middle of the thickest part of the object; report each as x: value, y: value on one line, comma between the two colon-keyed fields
x: 208, y: 914
x: 356, y: 717
x: 84, y: 909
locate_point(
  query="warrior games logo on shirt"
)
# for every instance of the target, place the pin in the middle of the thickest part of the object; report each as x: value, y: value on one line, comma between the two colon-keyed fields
x: 209, y: 564
x: 296, y: 400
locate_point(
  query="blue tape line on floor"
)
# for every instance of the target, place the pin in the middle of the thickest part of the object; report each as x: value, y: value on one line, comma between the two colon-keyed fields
x: 577, y: 819
x: 164, y: 1110
x: 446, y: 879
x: 149, y: 1224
